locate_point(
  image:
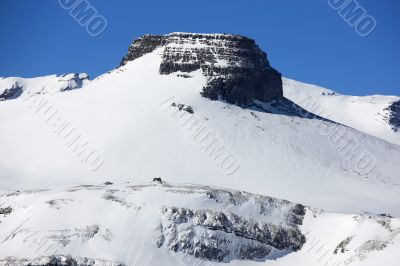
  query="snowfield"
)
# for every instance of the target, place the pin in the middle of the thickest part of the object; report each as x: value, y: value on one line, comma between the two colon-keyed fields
x: 14, y: 87
x: 119, y: 115
x: 160, y: 223
x: 310, y: 179
x: 368, y: 114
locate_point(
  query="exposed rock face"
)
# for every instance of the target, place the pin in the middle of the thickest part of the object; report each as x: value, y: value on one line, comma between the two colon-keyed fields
x: 221, y: 236
x: 11, y: 93
x: 73, y: 81
x: 394, y: 116
x: 237, y: 70
x: 57, y: 261
x: 217, y: 235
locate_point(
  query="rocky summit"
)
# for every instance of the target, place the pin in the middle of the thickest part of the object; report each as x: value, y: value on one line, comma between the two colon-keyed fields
x: 237, y: 70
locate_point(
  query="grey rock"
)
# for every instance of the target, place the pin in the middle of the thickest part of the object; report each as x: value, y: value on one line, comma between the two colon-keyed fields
x: 6, y: 211
x: 224, y: 236
x: 394, y: 116
x: 57, y: 261
x: 237, y: 70
x: 11, y: 93
x: 183, y: 107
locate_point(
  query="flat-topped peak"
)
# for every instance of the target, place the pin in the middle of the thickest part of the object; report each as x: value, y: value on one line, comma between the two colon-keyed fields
x: 237, y: 70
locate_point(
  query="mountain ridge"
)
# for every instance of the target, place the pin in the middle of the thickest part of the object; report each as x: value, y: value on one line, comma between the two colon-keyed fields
x: 281, y: 181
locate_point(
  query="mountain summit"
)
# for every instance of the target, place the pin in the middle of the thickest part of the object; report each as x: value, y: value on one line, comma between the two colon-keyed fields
x: 206, y: 118
x: 237, y: 70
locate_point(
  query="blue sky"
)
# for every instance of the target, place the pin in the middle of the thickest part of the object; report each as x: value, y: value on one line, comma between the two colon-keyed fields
x: 305, y: 40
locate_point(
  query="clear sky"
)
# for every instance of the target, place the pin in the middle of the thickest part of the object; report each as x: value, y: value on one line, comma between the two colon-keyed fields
x: 305, y: 40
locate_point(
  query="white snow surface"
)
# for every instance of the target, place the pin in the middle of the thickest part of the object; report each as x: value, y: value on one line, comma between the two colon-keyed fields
x: 121, y: 223
x: 126, y: 117
x: 364, y: 113
x: 45, y: 84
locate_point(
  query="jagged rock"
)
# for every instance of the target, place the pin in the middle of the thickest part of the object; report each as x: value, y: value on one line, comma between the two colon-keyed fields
x: 5, y: 211
x: 183, y: 107
x: 237, y: 70
x: 11, y: 93
x: 342, y: 245
x: 394, y: 116
x: 223, y: 236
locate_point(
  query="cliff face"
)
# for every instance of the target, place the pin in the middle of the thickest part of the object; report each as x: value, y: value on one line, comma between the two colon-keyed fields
x: 237, y: 70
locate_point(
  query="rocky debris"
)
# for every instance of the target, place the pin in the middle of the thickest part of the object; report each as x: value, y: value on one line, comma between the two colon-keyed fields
x: 372, y: 245
x: 57, y: 203
x: 342, y: 245
x: 57, y: 261
x: 183, y: 107
x: 362, y: 251
x: 394, y: 115
x: 11, y: 93
x: 5, y: 211
x: 108, y: 183
x: 224, y: 236
x: 237, y: 70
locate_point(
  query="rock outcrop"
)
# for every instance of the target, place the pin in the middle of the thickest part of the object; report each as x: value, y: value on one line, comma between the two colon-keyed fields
x: 15, y: 87
x: 58, y: 261
x: 237, y: 70
x: 12, y: 92
x: 223, y: 236
x: 394, y: 116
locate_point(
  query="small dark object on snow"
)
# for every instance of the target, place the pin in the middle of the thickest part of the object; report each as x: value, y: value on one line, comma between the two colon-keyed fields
x: 5, y: 211
x: 108, y: 183
x: 157, y: 179
x: 186, y: 108
x: 183, y: 107
x: 386, y: 215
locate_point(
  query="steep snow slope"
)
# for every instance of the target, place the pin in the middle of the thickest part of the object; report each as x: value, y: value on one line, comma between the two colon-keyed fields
x: 168, y: 224
x: 134, y: 120
x: 369, y: 114
x: 15, y: 87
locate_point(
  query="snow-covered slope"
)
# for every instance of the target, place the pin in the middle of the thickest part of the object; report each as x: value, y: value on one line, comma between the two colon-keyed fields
x: 201, y: 109
x: 15, y: 87
x: 168, y: 224
x: 130, y: 129
x: 369, y: 114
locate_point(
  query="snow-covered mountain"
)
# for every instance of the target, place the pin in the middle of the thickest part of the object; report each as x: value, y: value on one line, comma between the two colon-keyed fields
x: 205, y: 109
x: 377, y: 115
x: 15, y: 87
x: 168, y: 224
